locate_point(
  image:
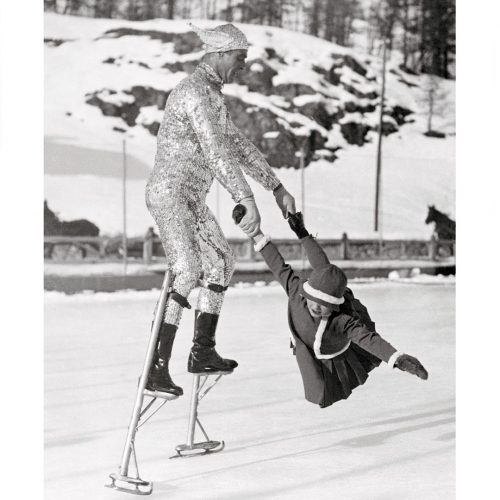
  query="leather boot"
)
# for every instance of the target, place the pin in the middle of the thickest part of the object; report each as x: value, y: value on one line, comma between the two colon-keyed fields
x: 159, y: 378
x: 203, y: 357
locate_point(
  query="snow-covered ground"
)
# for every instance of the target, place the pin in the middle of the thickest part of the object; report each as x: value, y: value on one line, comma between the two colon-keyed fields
x: 83, y: 154
x: 394, y: 438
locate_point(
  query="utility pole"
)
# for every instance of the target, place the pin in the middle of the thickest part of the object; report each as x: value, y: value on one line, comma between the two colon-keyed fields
x: 303, y: 196
x: 217, y: 200
x: 124, y: 203
x: 379, y: 146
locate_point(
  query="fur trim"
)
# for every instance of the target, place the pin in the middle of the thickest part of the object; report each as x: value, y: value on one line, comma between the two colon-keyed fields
x: 321, y: 295
x: 394, y: 358
x: 262, y: 243
x: 318, y: 339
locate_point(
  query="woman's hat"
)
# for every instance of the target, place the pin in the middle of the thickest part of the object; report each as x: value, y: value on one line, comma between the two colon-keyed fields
x: 326, y: 286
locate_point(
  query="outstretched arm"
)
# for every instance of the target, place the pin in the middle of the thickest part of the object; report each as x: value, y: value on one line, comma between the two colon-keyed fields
x: 253, y: 162
x: 210, y: 134
x: 373, y: 343
x: 255, y: 165
x: 280, y: 269
x: 315, y: 254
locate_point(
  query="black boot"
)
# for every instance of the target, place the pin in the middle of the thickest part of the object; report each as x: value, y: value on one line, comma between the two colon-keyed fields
x: 159, y: 379
x: 203, y: 357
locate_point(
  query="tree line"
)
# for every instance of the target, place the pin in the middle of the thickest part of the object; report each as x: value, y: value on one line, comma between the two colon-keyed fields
x: 422, y: 30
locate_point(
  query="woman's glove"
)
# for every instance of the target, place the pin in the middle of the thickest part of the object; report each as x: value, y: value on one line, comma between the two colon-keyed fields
x: 285, y: 200
x: 412, y: 365
x: 238, y: 212
x: 296, y: 223
x: 250, y: 223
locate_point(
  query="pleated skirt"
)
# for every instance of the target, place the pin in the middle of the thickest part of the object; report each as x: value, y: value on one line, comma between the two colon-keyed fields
x: 345, y: 372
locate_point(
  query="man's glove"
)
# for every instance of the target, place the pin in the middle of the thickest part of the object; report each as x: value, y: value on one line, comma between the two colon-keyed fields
x: 250, y: 223
x: 412, y: 365
x: 296, y: 223
x: 285, y: 200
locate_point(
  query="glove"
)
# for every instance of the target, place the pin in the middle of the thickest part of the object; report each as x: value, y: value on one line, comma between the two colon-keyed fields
x: 285, y: 200
x: 412, y: 365
x: 250, y: 223
x: 238, y: 212
x: 296, y: 223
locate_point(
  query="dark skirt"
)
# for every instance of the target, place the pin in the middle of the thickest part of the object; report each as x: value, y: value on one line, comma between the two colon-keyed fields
x: 329, y: 380
x: 345, y: 372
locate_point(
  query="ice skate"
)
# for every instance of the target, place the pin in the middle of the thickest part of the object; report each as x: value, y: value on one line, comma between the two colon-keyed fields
x: 199, y: 391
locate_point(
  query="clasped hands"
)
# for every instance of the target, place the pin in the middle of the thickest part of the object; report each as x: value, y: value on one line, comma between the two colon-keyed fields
x: 249, y: 222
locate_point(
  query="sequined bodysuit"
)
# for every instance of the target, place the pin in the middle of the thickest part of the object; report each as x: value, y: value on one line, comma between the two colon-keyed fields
x: 197, y: 142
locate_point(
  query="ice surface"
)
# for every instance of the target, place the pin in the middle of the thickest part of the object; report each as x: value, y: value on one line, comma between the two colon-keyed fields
x: 392, y: 439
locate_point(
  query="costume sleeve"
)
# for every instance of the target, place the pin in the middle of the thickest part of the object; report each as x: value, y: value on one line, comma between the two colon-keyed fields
x: 368, y: 340
x: 282, y: 271
x: 315, y: 254
x: 252, y: 160
x: 215, y: 144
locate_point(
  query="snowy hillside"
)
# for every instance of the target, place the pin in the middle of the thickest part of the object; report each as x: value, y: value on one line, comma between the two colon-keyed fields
x: 107, y: 80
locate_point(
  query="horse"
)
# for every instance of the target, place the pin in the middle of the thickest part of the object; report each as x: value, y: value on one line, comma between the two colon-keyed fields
x: 443, y: 225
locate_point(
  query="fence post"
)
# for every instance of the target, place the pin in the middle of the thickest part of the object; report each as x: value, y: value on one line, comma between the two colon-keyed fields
x: 250, y: 250
x: 344, y: 247
x: 147, y: 248
x: 102, y: 248
x: 433, y: 247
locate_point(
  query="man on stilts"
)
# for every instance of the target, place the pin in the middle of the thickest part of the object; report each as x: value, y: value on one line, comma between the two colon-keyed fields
x: 197, y: 143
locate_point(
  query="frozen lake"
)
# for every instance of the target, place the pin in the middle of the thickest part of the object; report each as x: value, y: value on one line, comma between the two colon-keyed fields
x: 394, y: 438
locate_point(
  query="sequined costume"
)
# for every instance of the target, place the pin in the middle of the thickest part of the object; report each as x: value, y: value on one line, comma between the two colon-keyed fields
x: 198, y: 142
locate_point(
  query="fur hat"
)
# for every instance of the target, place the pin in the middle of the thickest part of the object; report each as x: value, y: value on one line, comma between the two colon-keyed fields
x: 222, y: 38
x: 326, y: 286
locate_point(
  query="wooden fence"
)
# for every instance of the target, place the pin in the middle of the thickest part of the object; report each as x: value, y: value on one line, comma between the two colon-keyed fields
x: 62, y: 248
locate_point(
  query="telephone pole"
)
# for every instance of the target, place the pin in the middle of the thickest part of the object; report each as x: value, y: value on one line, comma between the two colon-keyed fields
x: 379, y: 145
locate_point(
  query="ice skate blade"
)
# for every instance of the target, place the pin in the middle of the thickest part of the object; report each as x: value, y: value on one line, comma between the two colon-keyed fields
x: 134, y: 485
x: 197, y: 449
x: 157, y: 394
x: 208, y: 372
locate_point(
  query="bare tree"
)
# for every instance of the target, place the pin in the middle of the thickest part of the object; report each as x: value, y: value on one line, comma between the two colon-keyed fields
x: 329, y: 19
x: 314, y: 24
x: 72, y: 6
x: 104, y: 8
x: 434, y: 98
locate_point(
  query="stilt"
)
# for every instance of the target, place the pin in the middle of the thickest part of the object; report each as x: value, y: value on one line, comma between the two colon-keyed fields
x: 198, y: 392
x: 123, y: 481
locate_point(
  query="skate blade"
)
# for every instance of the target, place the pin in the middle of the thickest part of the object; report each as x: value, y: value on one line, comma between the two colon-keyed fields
x: 197, y: 449
x: 157, y: 394
x: 132, y: 485
x: 215, y: 372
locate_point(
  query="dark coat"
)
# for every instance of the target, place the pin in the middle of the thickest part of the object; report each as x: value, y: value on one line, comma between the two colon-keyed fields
x: 341, y: 329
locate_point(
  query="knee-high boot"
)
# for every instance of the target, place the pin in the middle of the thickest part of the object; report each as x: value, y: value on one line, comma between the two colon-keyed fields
x: 159, y: 378
x: 203, y: 356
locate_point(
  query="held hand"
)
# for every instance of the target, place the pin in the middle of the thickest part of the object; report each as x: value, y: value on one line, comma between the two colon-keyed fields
x: 238, y: 212
x: 250, y: 222
x: 285, y: 200
x: 296, y: 223
x: 412, y: 365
